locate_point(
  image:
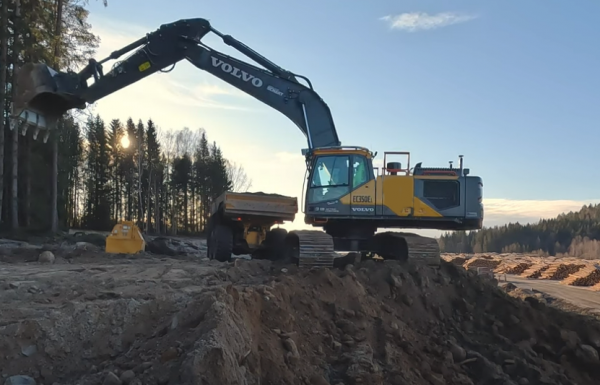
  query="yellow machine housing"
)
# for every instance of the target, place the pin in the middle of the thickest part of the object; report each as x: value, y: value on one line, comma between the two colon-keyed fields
x: 125, y: 238
x: 345, y: 190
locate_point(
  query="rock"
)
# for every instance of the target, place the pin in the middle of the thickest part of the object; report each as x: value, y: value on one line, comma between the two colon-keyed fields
x: 46, y: 257
x: 458, y: 353
x: 570, y: 338
x: 111, y: 379
x: 587, y: 354
x: 395, y: 281
x: 169, y: 354
x: 85, y: 246
x: 20, y: 380
x: 127, y: 376
x: 29, y: 350
x: 407, y: 300
x: 290, y: 345
x: 513, y: 319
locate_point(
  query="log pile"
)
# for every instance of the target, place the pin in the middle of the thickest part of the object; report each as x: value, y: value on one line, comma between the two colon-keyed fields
x: 535, y: 271
x: 514, y: 268
x: 588, y: 276
x: 596, y: 287
x: 456, y: 260
x: 482, y: 262
x: 560, y: 271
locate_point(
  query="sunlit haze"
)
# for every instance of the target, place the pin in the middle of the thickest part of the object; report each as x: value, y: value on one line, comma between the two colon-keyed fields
x: 125, y: 141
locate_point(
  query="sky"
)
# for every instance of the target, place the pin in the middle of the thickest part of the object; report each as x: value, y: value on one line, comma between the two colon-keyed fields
x: 512, y: 85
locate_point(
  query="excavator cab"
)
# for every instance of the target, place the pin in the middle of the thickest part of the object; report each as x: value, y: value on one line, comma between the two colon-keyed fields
x: 343, y: 187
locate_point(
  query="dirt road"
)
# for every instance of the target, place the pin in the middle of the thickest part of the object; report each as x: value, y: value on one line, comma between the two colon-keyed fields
x: 578, y: 296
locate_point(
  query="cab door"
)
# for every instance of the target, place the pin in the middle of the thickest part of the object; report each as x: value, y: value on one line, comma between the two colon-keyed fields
x: 362, y: 196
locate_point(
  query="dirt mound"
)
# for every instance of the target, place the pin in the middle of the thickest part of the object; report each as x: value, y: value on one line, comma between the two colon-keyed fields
x: 253, y: 322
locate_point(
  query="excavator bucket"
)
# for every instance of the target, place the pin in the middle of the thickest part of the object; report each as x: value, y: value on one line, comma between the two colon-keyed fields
x: 41, y: 98
x: 125, y: 238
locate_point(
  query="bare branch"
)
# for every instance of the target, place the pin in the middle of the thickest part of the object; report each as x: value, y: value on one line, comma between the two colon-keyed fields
x: 238, y: 177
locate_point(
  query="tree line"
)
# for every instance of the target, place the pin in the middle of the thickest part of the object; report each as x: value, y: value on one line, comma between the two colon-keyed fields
x: 574, y: 234
x: 91, y: 172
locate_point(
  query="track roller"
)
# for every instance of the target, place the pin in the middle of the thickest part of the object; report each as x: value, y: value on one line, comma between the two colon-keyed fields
x: 309, y: 248
x: 407, y: 247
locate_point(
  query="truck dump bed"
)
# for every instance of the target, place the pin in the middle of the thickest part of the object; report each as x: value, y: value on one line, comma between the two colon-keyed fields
x: 257, y: 204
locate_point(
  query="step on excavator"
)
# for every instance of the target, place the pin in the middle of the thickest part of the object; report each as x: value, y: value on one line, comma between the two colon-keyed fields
x: 346, y: 199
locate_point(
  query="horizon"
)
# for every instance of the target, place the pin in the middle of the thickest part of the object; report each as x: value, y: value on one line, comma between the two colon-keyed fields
x: 500, y: 74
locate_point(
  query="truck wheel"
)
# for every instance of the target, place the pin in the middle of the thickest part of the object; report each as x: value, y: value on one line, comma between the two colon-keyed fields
x: 275, y: 241
x: 220, y: 243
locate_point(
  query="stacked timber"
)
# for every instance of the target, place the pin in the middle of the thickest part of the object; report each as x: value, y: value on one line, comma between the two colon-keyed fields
x: 535, y: 271
x: 560, y: 271
x: 514, y: 268
x: 587, y: 276
x: 455, y: 259
x: 596, y: 287
x: 482, y: 262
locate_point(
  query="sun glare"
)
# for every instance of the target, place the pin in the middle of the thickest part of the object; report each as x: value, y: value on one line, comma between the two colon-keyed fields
x: 125, y: 142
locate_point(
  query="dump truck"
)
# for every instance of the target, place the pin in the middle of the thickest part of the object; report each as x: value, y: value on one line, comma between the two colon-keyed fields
x: 244, y: 223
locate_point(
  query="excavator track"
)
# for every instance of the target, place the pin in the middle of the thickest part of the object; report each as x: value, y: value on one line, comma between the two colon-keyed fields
x: 408, y: 247
x: 311, y: 248
x: 423, y: 249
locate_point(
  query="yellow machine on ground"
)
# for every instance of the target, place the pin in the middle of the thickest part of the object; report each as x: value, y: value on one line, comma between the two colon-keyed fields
x: 125, y: 238
x: 343, y: 194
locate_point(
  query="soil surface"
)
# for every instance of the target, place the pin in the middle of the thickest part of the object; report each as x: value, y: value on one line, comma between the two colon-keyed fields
x: 82, y: 316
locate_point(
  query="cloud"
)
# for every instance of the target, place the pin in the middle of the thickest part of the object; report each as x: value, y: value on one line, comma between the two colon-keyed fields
x: 501, y: 211
x: 421, y: 21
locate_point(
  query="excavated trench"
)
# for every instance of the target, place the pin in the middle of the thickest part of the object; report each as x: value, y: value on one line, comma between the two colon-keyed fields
x: 147, y: 320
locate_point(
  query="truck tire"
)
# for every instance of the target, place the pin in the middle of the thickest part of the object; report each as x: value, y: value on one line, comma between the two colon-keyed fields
x: 275, y: 241
x: 220, y: 243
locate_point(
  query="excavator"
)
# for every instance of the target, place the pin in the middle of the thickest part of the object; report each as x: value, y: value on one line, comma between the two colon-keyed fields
x: 346, y: 199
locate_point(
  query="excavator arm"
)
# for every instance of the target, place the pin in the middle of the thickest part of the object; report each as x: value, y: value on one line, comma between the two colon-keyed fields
x: 47, y: 94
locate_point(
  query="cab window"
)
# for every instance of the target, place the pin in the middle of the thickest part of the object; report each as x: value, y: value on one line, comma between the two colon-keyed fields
x: 361, y: 175
x: 330, y: 179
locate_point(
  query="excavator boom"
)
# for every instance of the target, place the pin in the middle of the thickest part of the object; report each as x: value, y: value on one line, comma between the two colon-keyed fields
x: 343, y: 195
x: 45, y: 94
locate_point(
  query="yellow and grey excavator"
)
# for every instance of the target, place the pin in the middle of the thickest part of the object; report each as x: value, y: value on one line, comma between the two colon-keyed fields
x: 344, y: 194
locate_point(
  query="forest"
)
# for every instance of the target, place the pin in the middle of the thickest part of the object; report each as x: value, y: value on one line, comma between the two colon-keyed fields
x: 574, y: 234
x: 94, y: 171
